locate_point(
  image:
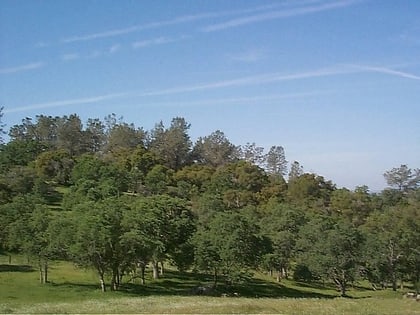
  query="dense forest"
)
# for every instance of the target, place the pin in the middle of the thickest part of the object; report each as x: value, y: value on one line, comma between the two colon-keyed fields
x: 117, y: 198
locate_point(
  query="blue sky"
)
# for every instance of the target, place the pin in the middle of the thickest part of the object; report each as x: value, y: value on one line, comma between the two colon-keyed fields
x: 335, y: 82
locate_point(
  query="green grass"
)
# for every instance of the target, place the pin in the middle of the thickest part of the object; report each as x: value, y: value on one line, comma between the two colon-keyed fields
x: 74, y: 290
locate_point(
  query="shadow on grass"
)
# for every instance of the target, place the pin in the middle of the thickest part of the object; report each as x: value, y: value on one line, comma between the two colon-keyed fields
x: 176, y: 283
x: 182, y: 284
x: 16, y: 268
x: 267, y: 289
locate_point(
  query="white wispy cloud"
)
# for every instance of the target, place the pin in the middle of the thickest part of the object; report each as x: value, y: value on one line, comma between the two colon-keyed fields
x: 156, y: 41
x: 68, y: 102
x: 157, y: 24
x: 42, y: 44
x: 255, y: 80
x: 114, y: 48
x: 386, y: 70
x: 70, y: 57
x: 278, y: 14
x: 239, y: 100
x: 252, y: 55
x: 21, y: 68
x: 260, y: 79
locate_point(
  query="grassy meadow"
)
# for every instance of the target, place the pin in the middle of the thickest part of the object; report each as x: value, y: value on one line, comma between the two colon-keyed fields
x: 73, y: 290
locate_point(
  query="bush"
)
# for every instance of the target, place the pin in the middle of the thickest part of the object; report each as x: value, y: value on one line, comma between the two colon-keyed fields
x: 302, y: 273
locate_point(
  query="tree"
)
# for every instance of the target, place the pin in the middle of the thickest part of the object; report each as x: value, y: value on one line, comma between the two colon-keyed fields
x: 311, y: 191
x: 19, y: 152
x: 70, y: 135
x: 55, y: 165
x: 29, y: 234
x: 403, y: 178
x: 281, y: 223
x: 172, y: 145
x: 252, y: 154
x: 214, y: 150
x: 296, y: 170
x: 229, y: 246
x: 97, y: 235
x: 392, y: 245
x: 95, y: 135
x: 2, y: 125
x: 123, y: 135
x: 354, y: 206
x: 275, y: 161
x: 158, y: 179
x: 19, y: 207
x: 159, y: 227
x: 335, y: 255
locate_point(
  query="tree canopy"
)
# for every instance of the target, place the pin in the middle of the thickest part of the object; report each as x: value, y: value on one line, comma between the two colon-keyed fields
x: 116, y: 198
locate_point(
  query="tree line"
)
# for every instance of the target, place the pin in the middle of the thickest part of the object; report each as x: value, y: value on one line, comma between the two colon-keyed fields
x: 113, y: 197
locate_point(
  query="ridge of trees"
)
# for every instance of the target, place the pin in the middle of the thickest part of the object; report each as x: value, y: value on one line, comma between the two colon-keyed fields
x: 134, y: 198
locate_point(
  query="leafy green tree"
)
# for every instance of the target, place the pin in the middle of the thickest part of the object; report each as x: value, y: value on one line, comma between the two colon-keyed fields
x: 392, y: 245
x: 229, y: 246
x: 214, y: 150
x: 55, y: 165
x: 29, y: 234
x: 10, y: 212
x: 19, y: 180
x: 2, y: 125
x: 43, y: 130
x: 97, y: 235
x: 19, y: 153
x: 238, y: 183
x: 123, y: 135
x: 160, y: 227
x: 172, y: 145
x: 335, y: 255
x: 296, y: 170
x: 354, y: 206
x: 95, y: 136
x: 275, y: 161
x: 251, y: 153
x: 281, y: 223
x: 403, y: 178
x: 311, y: 191
x: 70, y: 135
x: 410, y: 237
x: 158, y: 179
x: 138, y: 164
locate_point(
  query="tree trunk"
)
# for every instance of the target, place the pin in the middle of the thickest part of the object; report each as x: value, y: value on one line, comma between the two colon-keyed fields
x: 45, y: 272
x: 115, y: 279
x: 284, y: 272
x: 142, y: 273
x: 278, y: 277
x: 155, y: 267
x: 215, y: 277
x: 341, y: 285
x: 102, y: 282
x: 41, y: 274
x: 343, y: 290
x: 394, y: 282
x: 162, y: 269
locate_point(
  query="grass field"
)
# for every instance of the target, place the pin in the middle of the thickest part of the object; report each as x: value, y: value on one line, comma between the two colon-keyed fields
x: 72, y: 290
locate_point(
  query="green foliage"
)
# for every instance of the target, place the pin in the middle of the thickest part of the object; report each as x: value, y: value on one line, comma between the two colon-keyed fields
x: 403, y: 178
x: 229, y: 246
x: 335, y: 255
x: 214, y: 150
x: 113, y: 197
